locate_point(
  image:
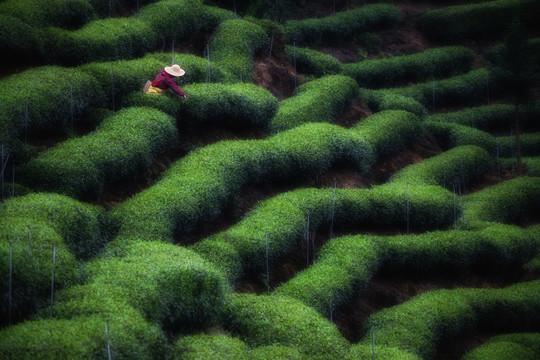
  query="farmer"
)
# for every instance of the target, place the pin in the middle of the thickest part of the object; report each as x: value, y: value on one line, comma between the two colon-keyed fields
x: 164, y: 81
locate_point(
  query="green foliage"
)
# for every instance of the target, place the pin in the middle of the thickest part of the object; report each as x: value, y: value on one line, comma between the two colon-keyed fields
x: 343, y: 267
x: 342, y: 26
x: 276, y: 352
x: 313, y: 62
x: 492, y: 118
x: 452, y: 169
x: 130, y: 337
x: 199, y: 185
x: 61, y: 13
x: 18, y: 39
x: 172, y: 18
x: 106, y: 39
x: 315, y: 101
x: 279, y: 320
x: 530, y: 145
x: 508, y: 202
x: 390, y: 131
x: 233, y: 45
x: 210, y: 347
x: 235, y: 104
x: 169, y: 284
x: 31, y: 243
x: 400, y: 70
x: 476, y: 21
x: 361, y: 351
x: 85, y: 228
x: 46, y: 90
x: 531, y: 164
x: 500, y: 350
x: 468, y: 89
x: 450, y: 135
x: 122, y: 145
x: 420, y: 324
x: 380, y: 100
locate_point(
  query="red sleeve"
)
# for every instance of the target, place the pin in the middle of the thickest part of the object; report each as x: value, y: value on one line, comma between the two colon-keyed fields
x: 173, y: 86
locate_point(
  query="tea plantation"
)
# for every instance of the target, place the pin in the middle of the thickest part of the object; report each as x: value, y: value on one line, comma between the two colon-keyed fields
x: 341, y: 182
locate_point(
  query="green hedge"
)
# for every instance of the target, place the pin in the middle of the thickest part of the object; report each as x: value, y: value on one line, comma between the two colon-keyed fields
x: 361, y: 351
x: 315, y: 101
x: 85, y: 228
x: 122, y: 145
x: 285, y: 219
x: 46, y: 91
x: 106, y: 39
x: 32, y: 266
x: 530, y: 145
x: 130, y: 337
x: 343, y: 268
x: 168, y: 284
x: 279, y: 320
x: 421, y: 324
x: 343, y: 26
x: 313, y: 62
x: 452, y: 169
x: 18, y: 40
x: 379, y: 100
x: 199, y: 185
x: 236, y: 104
x: 400, y: 70
x: 531, y: 164
x: 276, y: 352
x: 492, y: 118
x: 450, y: 135
x: 468, y: 89
x: 523, y: 346
x: 210, y: 347
x: 62, y: 13
x: 390, y: 131
x: 477, y: 21
x: 508, y: 202
x: 233, y: 45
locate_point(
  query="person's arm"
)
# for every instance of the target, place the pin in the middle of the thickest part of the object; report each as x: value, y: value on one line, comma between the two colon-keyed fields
x: 175, y: 88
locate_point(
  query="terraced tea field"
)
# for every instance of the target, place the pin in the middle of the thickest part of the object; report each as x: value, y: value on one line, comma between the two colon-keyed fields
x: 340, y: 183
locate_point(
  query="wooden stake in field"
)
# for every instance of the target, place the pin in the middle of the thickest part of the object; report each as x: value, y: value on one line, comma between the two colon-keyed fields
x: 333, y: 210
x: 330, y: 308
x: 108, y: 342
x: 498, y: 160
x: 455, y: 214
x: 112, y: 85
x: 268, y: 62
x: 10, y: 282
x: 71, y: 107
x: 407, y: 208
x: 307, y: 240
x: 294, y: 62
x: 208, y: 59
x: 373, y: 342
x: 29, y: 240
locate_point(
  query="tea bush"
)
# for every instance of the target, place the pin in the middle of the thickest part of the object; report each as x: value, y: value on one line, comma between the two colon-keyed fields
x: 390, y: 131
x: 420, y: 324
x: 279, y: 320
x: 45, y: 91
x: 450, y: 135
x: 199, y: 185
x: 530, y: 145
x: 400, y: 70
x: 284, y: 218
x: 122, y: 145
x: 233, y: 45
x: 508, y: 202
x: 452, y: 169
x: 531, y: 164
x: 362, y: 351
x: 85, y: 228
x: 519, y: 346
x: 316, y: 101
x: 168, y: 284
x: 379, y: 100
x: 276, y: 352
x: 211, y: 347
x: 492, y: 118
x: 61, y: 13
x: 313, y: 62
x: 31, y: 242
x: 105, y: 39
x: 84, y: 337
x: 342, y: 26
x: 235, y: 104
x: 476, y: 21
x: 18, y: 39
x: 467, y: 90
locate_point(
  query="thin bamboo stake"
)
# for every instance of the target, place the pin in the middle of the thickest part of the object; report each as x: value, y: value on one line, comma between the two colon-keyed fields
x: 52, y: 279
x: 267, y: 267
x: 333, y: 210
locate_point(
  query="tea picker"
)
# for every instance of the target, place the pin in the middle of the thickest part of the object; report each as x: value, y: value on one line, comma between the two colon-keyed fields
x: 164, y: 80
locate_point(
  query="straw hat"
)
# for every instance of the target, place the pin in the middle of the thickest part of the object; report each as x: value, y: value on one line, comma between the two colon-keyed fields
x: 175, y: 70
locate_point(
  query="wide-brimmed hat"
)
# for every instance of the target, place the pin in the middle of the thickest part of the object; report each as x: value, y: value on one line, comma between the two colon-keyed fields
x: 175, y: 70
